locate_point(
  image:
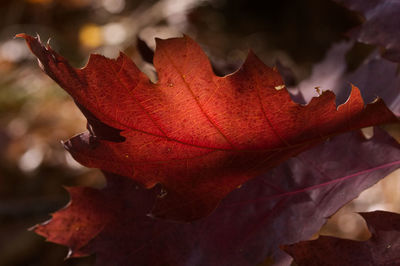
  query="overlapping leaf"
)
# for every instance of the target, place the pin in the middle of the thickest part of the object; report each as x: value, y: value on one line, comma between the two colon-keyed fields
x: 375, y: 76
x: 199, y: 135
x: 381, y: 26
x: 286, y: 205
x: 383, y: 248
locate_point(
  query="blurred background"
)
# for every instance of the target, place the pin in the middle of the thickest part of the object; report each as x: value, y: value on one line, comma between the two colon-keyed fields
x: 35, y: 114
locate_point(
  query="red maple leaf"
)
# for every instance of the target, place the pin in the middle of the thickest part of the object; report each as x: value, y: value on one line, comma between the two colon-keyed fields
x: 383, y: 248
x: 286, y: 205
x: 199, y: 135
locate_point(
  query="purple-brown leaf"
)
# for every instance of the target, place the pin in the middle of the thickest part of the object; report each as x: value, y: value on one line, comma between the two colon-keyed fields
x: 383, y: 248
x: 381, y: 26
x: 286, y: 205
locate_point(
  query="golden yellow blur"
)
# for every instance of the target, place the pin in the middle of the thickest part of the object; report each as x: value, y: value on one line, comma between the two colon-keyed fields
x: 90, y: 35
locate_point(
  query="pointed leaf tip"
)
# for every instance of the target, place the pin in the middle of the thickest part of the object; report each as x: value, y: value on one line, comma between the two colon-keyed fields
x: 183, y: 131
x: 20, y: 35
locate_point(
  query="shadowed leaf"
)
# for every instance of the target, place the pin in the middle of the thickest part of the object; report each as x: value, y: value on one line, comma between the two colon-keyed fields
x: 381, y: 26
x: 286, y: 205
x: 383, y: 248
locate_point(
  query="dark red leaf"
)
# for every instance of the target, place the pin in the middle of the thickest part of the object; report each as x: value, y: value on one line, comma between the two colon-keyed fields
x: 199, y: 135
x: 383, y: 248
x: 286, y: 205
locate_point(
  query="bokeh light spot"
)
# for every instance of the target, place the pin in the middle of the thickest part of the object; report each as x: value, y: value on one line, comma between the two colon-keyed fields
x: 114, y: 34
x: 113, y: 6
x: 13, y: 51
x: 31, y: 159
x: 90, y: 35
